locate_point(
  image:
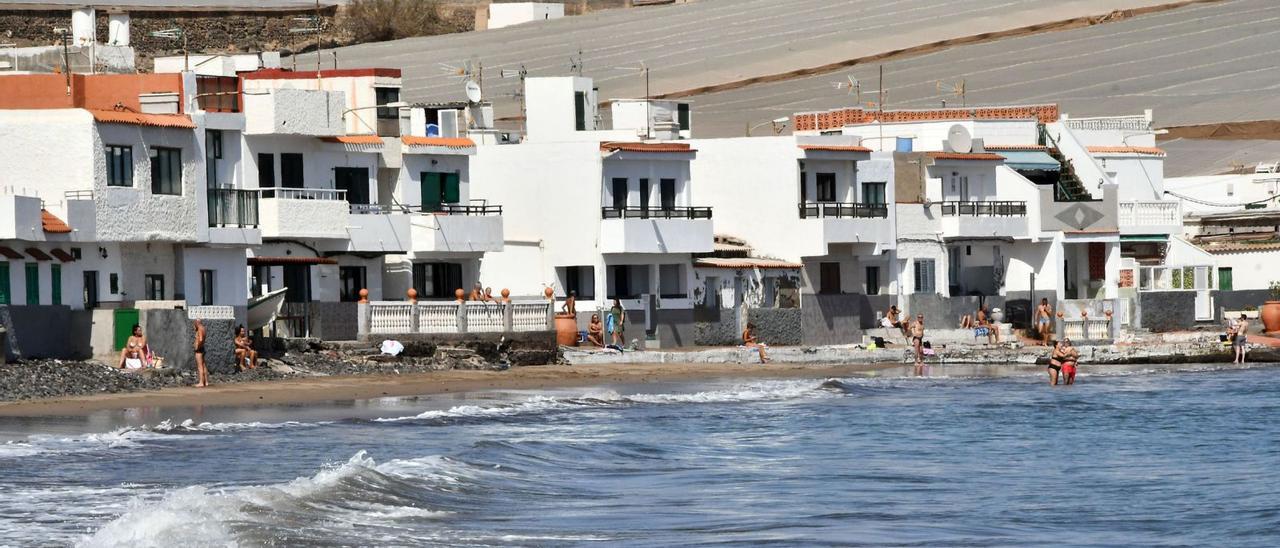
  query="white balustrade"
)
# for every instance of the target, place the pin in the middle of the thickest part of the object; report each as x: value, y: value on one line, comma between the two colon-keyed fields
x: 1087, y: 329
x: 438, y: 317
x: 305, y: 194
x: 530, y: 316
x: 211, y: 313
x: 485, y: 317
x: 1152, y: 213
x: 390, y: 317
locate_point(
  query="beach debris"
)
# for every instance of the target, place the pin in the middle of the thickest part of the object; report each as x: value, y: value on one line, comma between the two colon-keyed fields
x: 392, y: 347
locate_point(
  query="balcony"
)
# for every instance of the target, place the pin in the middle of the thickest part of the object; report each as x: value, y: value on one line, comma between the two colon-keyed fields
x: 378, y: 228
x: 984, y: 219
x: 20, y: 218
x: 233, y: 216
x: 1150, y: 217
x: 656, y: 230
x: 294, y: 112
x: 303, y: 213
x: 454, y: 228
x: 845, y: 223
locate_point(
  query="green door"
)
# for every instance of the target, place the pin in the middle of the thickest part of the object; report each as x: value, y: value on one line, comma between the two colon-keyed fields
x: 451, y: 192
x: 1224, y: 279
x: 55, y: 271
x: 33, y: 283
x: 431, y: 186
x: 4, y: 282
x: 124, y: 320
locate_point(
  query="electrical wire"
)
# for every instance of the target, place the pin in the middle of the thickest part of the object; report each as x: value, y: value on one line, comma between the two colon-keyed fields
x: 1213, y: 204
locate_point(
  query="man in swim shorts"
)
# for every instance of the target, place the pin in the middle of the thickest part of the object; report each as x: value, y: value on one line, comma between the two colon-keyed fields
x: 1072, y: 357
x: 1238, y: 342
x: 917, y: 338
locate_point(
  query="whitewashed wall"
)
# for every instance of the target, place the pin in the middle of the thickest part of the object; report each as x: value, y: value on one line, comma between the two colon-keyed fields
x: 231, y: 285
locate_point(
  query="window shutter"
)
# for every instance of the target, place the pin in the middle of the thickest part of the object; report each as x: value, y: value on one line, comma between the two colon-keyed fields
x: 4, y: 282
x: 452, y: 195
x: 56, y: 273
x: 430, y: 192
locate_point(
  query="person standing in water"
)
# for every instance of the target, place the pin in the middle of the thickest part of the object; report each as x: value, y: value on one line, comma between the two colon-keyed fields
x: 1238, y: 342
x: 1070, y: 363
x: 1055, y: 362
x: 917, y: 339
x: 1044, y: 319
x: 198, y: 348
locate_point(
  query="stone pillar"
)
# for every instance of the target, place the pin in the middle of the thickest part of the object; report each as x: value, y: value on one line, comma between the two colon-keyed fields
x: 362, y: 316
x: 1111, y: 280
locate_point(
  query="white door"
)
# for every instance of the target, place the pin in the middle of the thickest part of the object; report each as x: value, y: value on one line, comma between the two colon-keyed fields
x: 1204, y: 297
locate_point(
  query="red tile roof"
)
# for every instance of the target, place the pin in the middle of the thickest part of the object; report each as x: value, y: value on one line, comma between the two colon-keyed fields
x: 286, y: 74
x: 835, y: 148
x: 831, y: 119
x: 354, y: 139
x: 62, y: 255
x: 451, y: 142
x: 614, y: 146
x: 38, y: 255
x: 1235, y: 247
x: 274, y: 261
x: 52, y: 224
x: 979, y: 156
x: 1153, y: 151
x: 1011, y: 148
x: 716, y: 262
x: 140, y: 119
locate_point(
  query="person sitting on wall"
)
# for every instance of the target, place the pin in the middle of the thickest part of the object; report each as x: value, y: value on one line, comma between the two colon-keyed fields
x: 892, y: 320
x: 244, y: 350
x: 488, y: 295
x: 477, y: 293
x: 595, y: 331
x: 570, y: 305
x: 966, y: 322
x: 750, y: 340
x: 131, y: 356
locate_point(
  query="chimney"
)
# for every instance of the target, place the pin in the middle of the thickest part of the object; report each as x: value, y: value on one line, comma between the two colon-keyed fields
x: 118, y: 29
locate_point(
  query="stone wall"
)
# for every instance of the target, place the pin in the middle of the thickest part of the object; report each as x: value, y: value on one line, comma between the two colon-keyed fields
x: 519, y: 348
x: 941, y: 312
x: 46, y: 332
x: 778, y: 326
x: 335, y: 321
x: 716, y: 327
x: 1239, y: 300
x: 833, y: 319
x: 1167, y: 310
x: 170, y: 335
x: 674, y: 328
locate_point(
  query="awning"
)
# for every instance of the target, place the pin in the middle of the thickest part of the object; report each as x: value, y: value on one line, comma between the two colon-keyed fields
x: 38, y: 255
x: 1030, y: 160
x: 1144, y: 238
x: 62, y: 255
x: 10, y: 253
x: 278, y: 261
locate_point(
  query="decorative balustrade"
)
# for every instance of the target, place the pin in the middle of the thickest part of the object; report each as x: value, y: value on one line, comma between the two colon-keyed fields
x: 984, y: 209
x: 211, y: 313
x: 814, y: 210
x: 305, y: 194
x: 1087, y: 329
x: 655, y: 213
x: 402, y: 317
x: 1152, y: 213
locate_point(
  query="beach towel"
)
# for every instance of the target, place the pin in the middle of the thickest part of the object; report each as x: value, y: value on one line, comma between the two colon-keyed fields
x: 609, y: 323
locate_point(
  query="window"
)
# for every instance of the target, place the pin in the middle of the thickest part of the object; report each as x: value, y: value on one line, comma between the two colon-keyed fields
x: 206, y: 287
x: 291, y: 171
x: 266, y: 170
x: 354, y: 180
x: 826, y: 187
x: 829, y: 278
x: 1231, y: 189
x: 33, y: 283
x: 671, y: 281
x: 351, y: 280
x: 619, y: 193
x: 682, y: 116
x: 804, y: 187
x: 437, y: 188
x: 667, y: 188
x: 873, y: 193
x: 4, y: 283
x: 711, y: 290
x: 1224, y: 279
x: 55, y: 283
x: 873, y: 280
x: 437, y: 280
x: 153, y: 287
x: 90, y: 289
x: 925, y: 278
x: 644, y: 194
x: 578, y: 279
x: 166, y: 170
x: 384, y: 96
x: 212, y: 153
x: 113, y: 283
x: 628, y: 281
x: 119, y: 165
x: 580, y: 111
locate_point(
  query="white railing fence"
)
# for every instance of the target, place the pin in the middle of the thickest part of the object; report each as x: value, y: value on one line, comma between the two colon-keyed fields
x: 399, y: 317
x: 211, y: 313
x: 304, y: 194
x: 1155, y: 213
x: 1087, y: 329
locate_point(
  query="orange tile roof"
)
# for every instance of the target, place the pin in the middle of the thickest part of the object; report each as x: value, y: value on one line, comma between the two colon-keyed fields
x: 835, y: 148
x: 1153, y: 151
x: 354, y: 140
x: 716, y: 262
x: 810, y: 121
x: 1011, y: 148
x: 980, y: 156
x: 140, y: 119
x: 52, y: 224
x: 1230, y: 247
x: 614, y: 146
x: 451, y: 142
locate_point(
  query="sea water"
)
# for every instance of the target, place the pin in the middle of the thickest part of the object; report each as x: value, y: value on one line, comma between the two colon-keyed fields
x: 1149, y: 458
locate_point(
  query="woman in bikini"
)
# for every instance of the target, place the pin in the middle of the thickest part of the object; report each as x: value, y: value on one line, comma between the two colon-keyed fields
x: 198, y: 347
x: 132, y: 353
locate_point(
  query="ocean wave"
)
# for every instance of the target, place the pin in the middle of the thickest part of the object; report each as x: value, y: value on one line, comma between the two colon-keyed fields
x: 189, y: 425
x: 355, y: 498
x: 753, y: 392
x: 120, y: 438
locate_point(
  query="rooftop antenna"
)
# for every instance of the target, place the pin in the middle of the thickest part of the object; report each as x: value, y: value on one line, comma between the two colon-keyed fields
x: 66, y: 55
x: 576, y: 64
x: 519, y: 93
x: 176, y: 33
x: 854, y: 87
x: 312, y: 24
x: 880, y: 107
x: 648, y: 105
x: 956, y: 89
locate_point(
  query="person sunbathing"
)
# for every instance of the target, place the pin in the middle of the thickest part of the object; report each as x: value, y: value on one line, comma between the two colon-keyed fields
x: 131, y: 356
x: 595, y: 331
x: 244, y: 350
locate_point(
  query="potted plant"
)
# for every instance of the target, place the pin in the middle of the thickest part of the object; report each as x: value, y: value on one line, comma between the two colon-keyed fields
x: 1270, y: 312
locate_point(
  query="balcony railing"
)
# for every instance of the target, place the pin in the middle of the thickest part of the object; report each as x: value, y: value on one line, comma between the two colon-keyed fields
x: 1154, y: 213
x: 655, y: 212
x: 304, y: 194
x: 841, y: 210
x: 233, y: 208
x: 984, y: 209
x: 458, y: 209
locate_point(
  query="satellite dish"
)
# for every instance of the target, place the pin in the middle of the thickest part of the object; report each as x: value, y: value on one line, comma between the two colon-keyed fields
x: 959, y: 139
x: 473, y: 91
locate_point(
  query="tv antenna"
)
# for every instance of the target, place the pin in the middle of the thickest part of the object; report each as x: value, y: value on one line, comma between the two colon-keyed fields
x: 576, y: 64
x: 854, y: 87
x: 519, y: 93
x: 957, y: 89
x: 311, y: 24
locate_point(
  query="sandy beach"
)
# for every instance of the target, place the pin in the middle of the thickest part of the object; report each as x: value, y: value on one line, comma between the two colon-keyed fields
x: 320, y: 389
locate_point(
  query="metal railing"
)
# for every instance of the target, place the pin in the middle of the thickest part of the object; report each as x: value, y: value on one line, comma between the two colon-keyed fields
x: 305, y: 194
x: 850, y: 210
x: 655, y: 212
x: 1155, y: 213
x: 78, y: 194
x: 459, y: 209
x: 984, y: 209
x: 233, y: 207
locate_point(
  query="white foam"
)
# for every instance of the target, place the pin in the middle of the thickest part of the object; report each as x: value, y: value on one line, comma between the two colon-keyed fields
x: 120, y: 438
x: 190, y: 425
